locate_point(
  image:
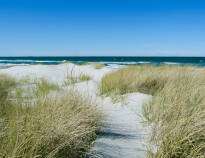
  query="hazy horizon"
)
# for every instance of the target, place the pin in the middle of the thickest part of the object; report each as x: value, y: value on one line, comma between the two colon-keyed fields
x: 111, y: 56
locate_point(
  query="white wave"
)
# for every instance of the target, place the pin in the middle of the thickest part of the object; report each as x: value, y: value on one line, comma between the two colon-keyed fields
x: 18, y: 60
x: 127, y: 63
x: 4, y: 64
x: 114, y: 66
x: 33, y: 61
x: 47, y: 61
x: 171, y: 63
x: 118, y: 62
x: 143, y: 62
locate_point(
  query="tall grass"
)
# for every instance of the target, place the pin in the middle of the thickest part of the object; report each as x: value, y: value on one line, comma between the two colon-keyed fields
x: 6, y: 85
x: 95, y: 65
x: 72, y: 79
x: 43, y: 87
x: 131, y: 79
x: 177, y: 110
x: 45, y: 126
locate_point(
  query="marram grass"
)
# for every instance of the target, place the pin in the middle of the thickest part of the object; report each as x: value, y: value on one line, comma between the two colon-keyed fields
x: 95, y: 65
x: 72, y: 79
x: 44, y: 126
x: 177, y: 110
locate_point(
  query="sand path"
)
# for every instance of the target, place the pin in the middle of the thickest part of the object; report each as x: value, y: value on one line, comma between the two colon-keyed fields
x: 122, y: 134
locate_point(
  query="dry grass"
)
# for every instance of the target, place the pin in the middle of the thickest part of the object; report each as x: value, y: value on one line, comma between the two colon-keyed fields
x: 6, y: 85
x: 44, y: 87
x: 71, y: 79
x: 45, y: 126
x: 96, y: 65
x: 132, y: 79
x: 83, y: 77
x: 177, y: 110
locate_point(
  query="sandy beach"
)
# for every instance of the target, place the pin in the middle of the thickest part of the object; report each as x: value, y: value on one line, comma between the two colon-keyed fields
x: 102, y: 79
x: 122, y: 133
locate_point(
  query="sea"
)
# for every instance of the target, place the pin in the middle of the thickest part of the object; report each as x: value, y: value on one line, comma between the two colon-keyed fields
x: 111, y: 61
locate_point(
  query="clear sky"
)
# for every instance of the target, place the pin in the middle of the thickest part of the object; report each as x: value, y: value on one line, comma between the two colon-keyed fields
x: 102, y: 28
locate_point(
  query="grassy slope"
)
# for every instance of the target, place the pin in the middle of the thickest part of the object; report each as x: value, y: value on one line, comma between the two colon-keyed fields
x: 177, y: 110
x: 43, y: 126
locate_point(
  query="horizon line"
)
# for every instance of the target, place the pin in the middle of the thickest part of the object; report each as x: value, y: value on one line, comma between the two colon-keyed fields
x: 107, y: 56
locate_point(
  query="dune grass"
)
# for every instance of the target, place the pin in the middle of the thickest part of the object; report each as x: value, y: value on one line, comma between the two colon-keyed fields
x: 71, y: 79
x: 132, y: 79
x: 98, y: 65
x: 94, y: 64
x: 6, y: 85
x: 44, y: 126
x: 83, y: 77
x: 177, y: 110
x: 44, y: 87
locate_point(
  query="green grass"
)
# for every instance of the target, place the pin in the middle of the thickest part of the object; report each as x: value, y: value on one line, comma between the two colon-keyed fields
x: 43, y: 126
x: 129, y: 80
x: 7, y: 84
x: 95, y: 65
x: 71, y: 79
x: 44, y: 87
x: 83, y: 77
x: 177, y: 110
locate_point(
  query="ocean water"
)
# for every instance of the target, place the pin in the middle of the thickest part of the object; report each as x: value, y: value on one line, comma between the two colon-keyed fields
x: 108, y: 61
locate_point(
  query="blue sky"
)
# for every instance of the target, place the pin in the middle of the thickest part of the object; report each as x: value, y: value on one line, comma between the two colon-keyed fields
x: 102, y: 28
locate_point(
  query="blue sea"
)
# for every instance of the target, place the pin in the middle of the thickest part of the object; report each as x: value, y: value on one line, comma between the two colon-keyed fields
x: 108, y: 61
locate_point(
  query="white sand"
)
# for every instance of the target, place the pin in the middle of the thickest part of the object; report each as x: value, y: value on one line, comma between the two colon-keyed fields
x: 122, y: 134
x: 55, y: 73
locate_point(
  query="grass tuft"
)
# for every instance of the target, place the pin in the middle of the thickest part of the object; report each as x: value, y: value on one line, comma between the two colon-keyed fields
x: 7, y: 84
x: 43, y: 87
x: 95, y: 65
x: 132, y: 79
x: 45, y: 126
x: 71, y: 79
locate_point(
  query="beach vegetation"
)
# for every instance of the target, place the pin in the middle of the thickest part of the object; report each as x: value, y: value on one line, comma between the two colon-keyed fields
x: 43, y: 87
x: 98, y: 65
x: 45, y: 126
x: 83, y: 77
x: 132, y: 79
x: 176, y: 112
x: 94, y: 64
x: 72, y: 79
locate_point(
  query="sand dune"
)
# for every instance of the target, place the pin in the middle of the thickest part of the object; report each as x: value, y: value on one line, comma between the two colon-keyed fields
x: 122, y: 133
